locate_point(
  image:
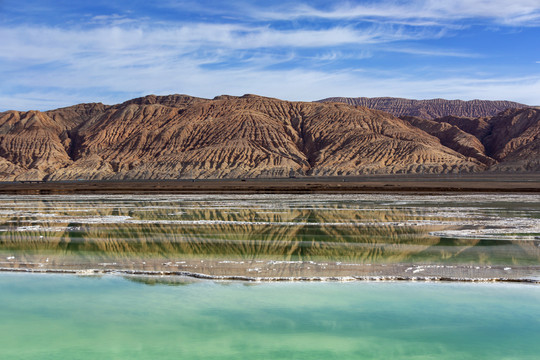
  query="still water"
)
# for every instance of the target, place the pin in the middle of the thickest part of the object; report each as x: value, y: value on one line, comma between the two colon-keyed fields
x: 275, y: 236
x: 47, y: 316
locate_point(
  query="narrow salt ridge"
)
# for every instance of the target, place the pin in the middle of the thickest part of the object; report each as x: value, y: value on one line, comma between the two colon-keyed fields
x: 489, y: 234
x: 446, y: 212
x: 391, y: 278
x: 27, y: 214
x: 33, y: 228
x: 112, y: 219
x: 495, y: 224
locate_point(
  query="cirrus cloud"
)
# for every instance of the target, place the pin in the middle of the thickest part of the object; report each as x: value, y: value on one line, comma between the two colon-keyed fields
x: 422, y: 48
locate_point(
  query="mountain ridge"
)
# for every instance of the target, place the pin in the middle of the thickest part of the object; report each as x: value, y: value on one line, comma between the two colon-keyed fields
x: 432, y: 108
x: 180, y: 136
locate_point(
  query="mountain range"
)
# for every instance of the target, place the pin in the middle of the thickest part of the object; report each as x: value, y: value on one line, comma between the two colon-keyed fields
x: 430, y: 109
x: 180, y: 136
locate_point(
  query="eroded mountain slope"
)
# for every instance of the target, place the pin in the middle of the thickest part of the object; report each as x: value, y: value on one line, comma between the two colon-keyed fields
x: 179, y: 136
x: 515, y: 140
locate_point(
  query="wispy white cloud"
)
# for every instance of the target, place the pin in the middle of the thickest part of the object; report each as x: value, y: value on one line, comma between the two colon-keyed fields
x: 126, y: 49
x: 114, y: 57
x: 46, y: 99
x: 417, y: 12
x: 111, y: 20
x: 296, y: 84
x: 431, y: 52
x: 20, y: 41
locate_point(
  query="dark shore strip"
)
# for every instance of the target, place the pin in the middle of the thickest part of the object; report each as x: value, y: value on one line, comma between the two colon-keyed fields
x: 99, y: 272
x: 421, y: 184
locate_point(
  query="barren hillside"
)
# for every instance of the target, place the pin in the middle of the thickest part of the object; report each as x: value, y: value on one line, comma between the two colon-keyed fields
x: 179, y: 136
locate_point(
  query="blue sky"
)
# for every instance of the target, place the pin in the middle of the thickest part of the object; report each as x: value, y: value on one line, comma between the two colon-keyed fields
x: 58, y: 53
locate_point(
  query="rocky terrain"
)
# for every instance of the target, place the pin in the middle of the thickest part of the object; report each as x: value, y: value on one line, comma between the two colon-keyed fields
x: 179, y: 136
x: 430, y: 109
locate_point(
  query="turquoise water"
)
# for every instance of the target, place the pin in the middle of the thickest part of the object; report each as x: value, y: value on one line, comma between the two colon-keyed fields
x: 45, y: 316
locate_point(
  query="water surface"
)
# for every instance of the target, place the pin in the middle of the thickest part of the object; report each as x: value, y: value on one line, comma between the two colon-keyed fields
x: 45, y: 316
x: 461, y: 236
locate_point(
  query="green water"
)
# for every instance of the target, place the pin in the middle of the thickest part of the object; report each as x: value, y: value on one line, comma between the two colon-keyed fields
x: 68, y: 317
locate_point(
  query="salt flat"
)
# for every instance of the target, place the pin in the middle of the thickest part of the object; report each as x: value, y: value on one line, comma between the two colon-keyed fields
x: 268, y: 237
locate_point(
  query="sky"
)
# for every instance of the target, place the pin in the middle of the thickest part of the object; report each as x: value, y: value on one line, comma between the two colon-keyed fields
x: 56, y: 53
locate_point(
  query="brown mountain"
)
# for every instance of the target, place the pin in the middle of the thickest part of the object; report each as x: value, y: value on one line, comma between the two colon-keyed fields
x: 430, y: 109
x: 509, y: 141
x: 515, y: 140
x: 453, y: 137
x: 180, y: 136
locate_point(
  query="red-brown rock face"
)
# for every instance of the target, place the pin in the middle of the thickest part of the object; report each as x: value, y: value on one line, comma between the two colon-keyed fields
x: 32, y: 145
x: 453, y: 137
x: 515, y: 140
x: 179, y: 136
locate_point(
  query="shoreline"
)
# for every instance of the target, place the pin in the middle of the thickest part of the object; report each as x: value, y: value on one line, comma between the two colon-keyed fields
x: 421, y: 184
x: 177, y: 275
x: 268, y: 270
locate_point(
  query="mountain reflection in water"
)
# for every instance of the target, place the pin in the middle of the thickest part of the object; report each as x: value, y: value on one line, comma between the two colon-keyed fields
x: 142, y: 232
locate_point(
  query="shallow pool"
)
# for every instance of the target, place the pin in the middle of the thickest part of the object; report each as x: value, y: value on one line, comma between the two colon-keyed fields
x: 46, y: 316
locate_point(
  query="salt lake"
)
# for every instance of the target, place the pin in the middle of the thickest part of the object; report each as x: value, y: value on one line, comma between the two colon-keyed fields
x: 370, y: 276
